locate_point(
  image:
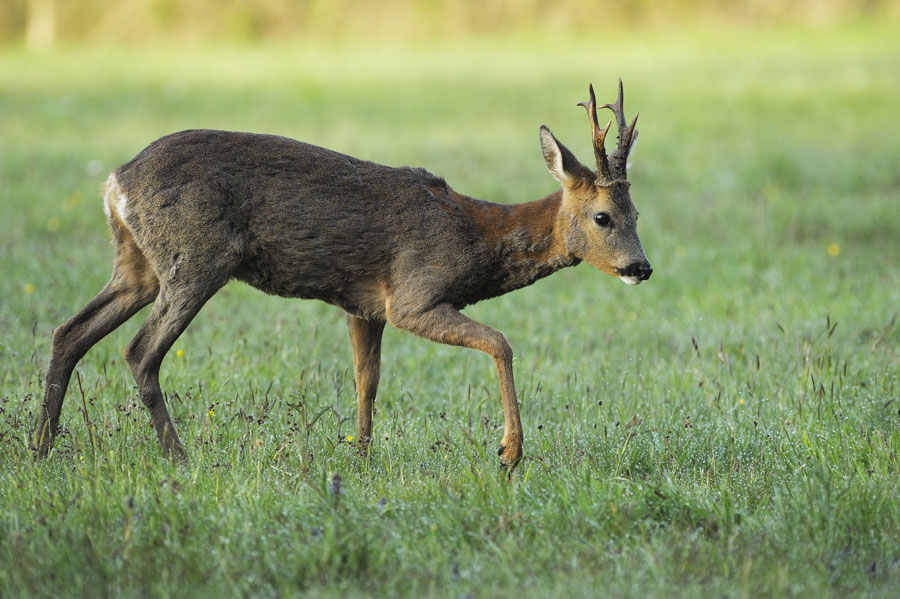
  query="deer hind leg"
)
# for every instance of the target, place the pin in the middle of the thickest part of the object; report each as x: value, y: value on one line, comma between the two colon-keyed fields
x: 365, y: 337
x: 131, y: 287
x: 173, y: 310
x: 445, y: 324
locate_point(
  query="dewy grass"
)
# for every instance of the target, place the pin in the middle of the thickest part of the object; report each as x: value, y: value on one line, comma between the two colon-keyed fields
x: 728, y: 429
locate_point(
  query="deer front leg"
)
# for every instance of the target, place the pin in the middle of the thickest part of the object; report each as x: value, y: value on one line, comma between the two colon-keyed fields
x: 445, y: 324
x: 365, y: 337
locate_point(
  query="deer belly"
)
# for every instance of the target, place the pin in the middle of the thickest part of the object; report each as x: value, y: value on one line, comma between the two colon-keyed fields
x: 359, y: 294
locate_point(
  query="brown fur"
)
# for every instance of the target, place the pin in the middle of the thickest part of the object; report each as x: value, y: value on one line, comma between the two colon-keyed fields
x: 387, y: 245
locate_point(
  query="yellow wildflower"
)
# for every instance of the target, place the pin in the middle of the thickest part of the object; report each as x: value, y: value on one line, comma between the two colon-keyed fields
x: 349, y: 438
x: 833, y: 250
x: 179, y: 353
x: 741, y: 401
x: 29, y: 288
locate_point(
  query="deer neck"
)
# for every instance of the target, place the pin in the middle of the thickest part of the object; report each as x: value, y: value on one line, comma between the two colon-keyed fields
x: 526, y: 241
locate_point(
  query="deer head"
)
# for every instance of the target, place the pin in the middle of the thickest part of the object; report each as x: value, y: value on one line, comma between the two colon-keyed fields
x: 597, y: 219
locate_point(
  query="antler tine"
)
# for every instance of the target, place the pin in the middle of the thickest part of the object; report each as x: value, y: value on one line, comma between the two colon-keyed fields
x: 598, y: 135
x: 631, y: 127
x: 626, y: 134
x: 618, y: 110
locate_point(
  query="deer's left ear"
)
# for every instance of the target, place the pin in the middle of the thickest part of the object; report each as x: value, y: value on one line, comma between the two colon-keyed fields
x: 562, y: 163
x: 631, y: 151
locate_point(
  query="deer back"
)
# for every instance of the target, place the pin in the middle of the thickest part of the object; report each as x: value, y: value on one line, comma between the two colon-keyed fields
x: 301, y: 220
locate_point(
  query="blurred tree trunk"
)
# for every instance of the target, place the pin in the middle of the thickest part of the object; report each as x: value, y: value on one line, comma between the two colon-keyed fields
x: 40, y: 24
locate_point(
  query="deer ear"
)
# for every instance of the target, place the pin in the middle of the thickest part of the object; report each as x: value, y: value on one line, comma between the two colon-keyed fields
x: 562, y: 163
x: 631, y: 151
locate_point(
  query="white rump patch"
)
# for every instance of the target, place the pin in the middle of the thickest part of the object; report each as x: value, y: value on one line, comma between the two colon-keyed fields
x: 121, y: 202
x: 120, y: 205
x: 107, y: 189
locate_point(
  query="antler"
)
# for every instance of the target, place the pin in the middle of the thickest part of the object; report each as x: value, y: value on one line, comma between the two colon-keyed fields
x: 626, y: 136
x: 617, y: 168
x: 598, y: 135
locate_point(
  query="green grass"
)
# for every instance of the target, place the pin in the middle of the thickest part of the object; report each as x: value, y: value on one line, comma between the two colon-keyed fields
x: 729, y: 429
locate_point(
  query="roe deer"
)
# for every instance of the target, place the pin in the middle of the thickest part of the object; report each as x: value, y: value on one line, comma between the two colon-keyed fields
x: 196, y: 209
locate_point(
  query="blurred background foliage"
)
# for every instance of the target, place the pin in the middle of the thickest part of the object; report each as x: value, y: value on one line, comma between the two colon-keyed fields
x: 42, y: 23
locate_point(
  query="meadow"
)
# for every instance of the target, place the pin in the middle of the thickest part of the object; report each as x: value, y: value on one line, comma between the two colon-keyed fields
x: 730, y: 428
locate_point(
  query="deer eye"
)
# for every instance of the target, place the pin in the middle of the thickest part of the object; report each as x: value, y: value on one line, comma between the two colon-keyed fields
x: 602, y: 219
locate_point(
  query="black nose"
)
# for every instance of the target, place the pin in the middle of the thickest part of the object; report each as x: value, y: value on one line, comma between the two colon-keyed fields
x: 641, y: 270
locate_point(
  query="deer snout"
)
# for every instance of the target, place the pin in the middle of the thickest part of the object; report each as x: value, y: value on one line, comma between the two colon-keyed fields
x: 635, y: 272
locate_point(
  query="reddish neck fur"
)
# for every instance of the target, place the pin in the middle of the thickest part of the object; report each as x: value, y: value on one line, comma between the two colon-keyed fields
x: 526, y: 242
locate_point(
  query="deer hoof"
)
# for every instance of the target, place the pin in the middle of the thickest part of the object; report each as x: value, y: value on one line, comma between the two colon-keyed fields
x: 41, y: 451
x: 509, y: 457
x: 175, y: 453
x: 362, y: 448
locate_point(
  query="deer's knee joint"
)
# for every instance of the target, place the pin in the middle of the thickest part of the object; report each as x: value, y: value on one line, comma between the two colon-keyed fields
x: 130, y: 355
x: 65, y: 343
x: 149, y: 399
x: 133, y: 355
x: 60, y: 334
x: 501, y: 349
